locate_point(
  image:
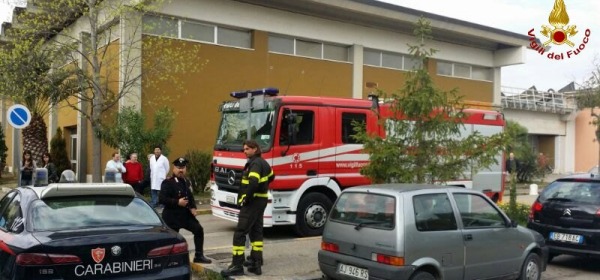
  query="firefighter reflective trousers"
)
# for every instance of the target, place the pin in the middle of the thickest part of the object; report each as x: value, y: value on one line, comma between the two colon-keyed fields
x: 250, y: 221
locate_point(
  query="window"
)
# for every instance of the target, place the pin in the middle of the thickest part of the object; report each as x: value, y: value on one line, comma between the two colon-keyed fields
x: 233, y: 37
x: 477, y: 212
x: 161, y: 26
x: 366, y: 209
x: 304, y: 128
x: 89, y: 212
x: 389, y: 60
x: 335, y: 52
x: 411, y: 63
x: 372, y: 57
x: 307, y: 48
x: 348, y: 120
x: 444, y: 68
x: 481, y: 73
x: 433, y: 212
x: 197, y: 31
x: 464, y: 71
x: 191, y: 30
x: 3, y: 205
x: 11, y: 218
x: 281, y: 44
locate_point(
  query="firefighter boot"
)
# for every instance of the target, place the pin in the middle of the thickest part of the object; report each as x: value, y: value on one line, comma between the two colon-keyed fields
x: 249, y: 261
x: 236, y: 268
x: 233, y: 270
x: 256, y: 268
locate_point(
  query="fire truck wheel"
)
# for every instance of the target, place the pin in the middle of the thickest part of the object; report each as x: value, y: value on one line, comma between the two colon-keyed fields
x: 311, y: 214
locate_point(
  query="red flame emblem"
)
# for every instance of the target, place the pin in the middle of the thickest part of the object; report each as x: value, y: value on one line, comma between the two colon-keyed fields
x: 98, y: 254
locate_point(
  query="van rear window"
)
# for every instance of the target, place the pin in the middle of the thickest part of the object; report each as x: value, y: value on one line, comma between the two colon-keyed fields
x: 366, y: 209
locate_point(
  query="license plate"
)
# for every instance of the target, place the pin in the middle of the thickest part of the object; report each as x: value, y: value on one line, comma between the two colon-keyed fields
x: 353, y: 271
x: 230, y: 199
x: 565, y: 237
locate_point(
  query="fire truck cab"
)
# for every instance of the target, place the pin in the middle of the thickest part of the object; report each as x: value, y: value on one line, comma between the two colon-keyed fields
x: 308, y: 142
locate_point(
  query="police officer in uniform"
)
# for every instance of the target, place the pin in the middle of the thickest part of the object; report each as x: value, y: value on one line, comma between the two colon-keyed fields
x: 180, y: 207
x: 253, y: 200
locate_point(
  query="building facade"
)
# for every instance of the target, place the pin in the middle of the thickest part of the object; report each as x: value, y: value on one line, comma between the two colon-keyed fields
x: 305, y: 47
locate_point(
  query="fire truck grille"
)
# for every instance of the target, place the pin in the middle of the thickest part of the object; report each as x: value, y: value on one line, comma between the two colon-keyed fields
x: 229, y: 205
x: 229, y: 179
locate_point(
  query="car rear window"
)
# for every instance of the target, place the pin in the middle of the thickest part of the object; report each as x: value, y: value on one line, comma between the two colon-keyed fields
x: 573, y: 191
x: 366, y: 209
x: 89, y: 212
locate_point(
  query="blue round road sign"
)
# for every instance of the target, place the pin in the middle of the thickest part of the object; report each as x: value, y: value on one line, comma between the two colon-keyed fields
x: 18, y: 116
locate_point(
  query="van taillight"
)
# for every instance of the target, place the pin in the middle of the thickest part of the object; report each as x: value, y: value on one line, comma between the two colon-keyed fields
x: 385, y: 259
x: 598, y: 212
x: 26, y: 259
x: 331, y: 247
x: 536, y: 207
x: 168, y: 250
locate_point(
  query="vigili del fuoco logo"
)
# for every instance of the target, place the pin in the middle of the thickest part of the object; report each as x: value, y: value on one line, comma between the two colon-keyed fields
x: 559, y: 33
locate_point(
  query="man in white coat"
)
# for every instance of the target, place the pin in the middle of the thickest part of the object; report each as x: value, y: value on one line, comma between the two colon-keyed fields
x: 159, y: 168
x: 115, y: 165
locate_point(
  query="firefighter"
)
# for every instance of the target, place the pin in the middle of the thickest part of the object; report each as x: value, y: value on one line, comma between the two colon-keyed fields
x: 252, y: 199
x: 180, y: 208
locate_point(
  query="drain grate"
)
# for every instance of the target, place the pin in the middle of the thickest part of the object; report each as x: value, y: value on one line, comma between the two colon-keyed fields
x: 220, y: 256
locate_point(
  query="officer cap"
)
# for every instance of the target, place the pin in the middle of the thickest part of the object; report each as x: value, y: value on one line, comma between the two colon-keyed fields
x: 180, y: 162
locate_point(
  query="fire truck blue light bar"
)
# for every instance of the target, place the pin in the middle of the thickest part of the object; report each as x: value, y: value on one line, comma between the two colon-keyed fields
x: 254, y: 92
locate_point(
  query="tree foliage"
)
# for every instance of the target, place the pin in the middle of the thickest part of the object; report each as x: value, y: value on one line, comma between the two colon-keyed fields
x: 518, y: 143
x: 131, y: 134
x: 198, y: 170
x: 96, y: 47
x: 58, y: 152
x: 424, y: 142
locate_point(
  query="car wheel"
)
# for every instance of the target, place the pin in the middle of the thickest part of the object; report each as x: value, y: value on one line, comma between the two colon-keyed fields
x: 422, y: 275
x: 311, y: 214
x: 531, y: 269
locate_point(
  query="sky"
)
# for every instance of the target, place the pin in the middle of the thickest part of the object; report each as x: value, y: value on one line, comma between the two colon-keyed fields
x: 517, y: 16
x: 520, y: 16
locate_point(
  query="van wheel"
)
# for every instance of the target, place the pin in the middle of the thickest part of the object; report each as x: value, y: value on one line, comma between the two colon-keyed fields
x: 422, y: 275
x: 531, y: 269
x: 311, y: 214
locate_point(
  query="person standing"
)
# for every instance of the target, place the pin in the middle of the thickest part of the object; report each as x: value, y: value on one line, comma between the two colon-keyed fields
x: 49, y: 165
x: 252, y: 198
x: 27, y: 168
x: 180, y: 207
x: 512, y: 165
x: 135, y: 174
x: 116, y: 165
x: 159, y: 167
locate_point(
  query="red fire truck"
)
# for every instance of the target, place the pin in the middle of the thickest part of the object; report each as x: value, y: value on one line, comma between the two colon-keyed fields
x: 308, y: 142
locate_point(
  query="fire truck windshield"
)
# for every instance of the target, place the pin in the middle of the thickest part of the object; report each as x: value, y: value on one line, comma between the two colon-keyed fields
x: 234, y: 129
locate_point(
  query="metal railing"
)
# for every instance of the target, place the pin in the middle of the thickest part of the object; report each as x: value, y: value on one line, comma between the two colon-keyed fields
x: 535, y: 100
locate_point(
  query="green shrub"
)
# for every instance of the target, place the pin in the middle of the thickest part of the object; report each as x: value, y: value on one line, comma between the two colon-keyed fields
x: 58, y: 152
x: 198, y: 170
x: 520, y: 215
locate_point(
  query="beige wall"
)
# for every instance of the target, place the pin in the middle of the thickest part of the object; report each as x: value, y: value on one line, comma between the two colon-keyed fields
x: 586, y: 148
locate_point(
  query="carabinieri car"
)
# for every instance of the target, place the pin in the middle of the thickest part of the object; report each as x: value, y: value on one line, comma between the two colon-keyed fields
x: 86, y: 231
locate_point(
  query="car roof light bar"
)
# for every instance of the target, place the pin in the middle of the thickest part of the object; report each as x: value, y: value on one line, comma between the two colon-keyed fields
x: 254, y: 92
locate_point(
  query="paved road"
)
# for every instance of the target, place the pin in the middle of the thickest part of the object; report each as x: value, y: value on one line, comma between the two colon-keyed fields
x: 289, y: 257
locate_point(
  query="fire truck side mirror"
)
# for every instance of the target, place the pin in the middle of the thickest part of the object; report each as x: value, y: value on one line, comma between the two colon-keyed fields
x: 291, y: 122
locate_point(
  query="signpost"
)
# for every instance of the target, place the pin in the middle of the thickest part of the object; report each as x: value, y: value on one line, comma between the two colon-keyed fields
x: 19, y: 117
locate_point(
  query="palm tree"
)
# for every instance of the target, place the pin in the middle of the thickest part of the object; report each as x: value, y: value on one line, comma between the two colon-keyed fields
x: 29, y: 79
